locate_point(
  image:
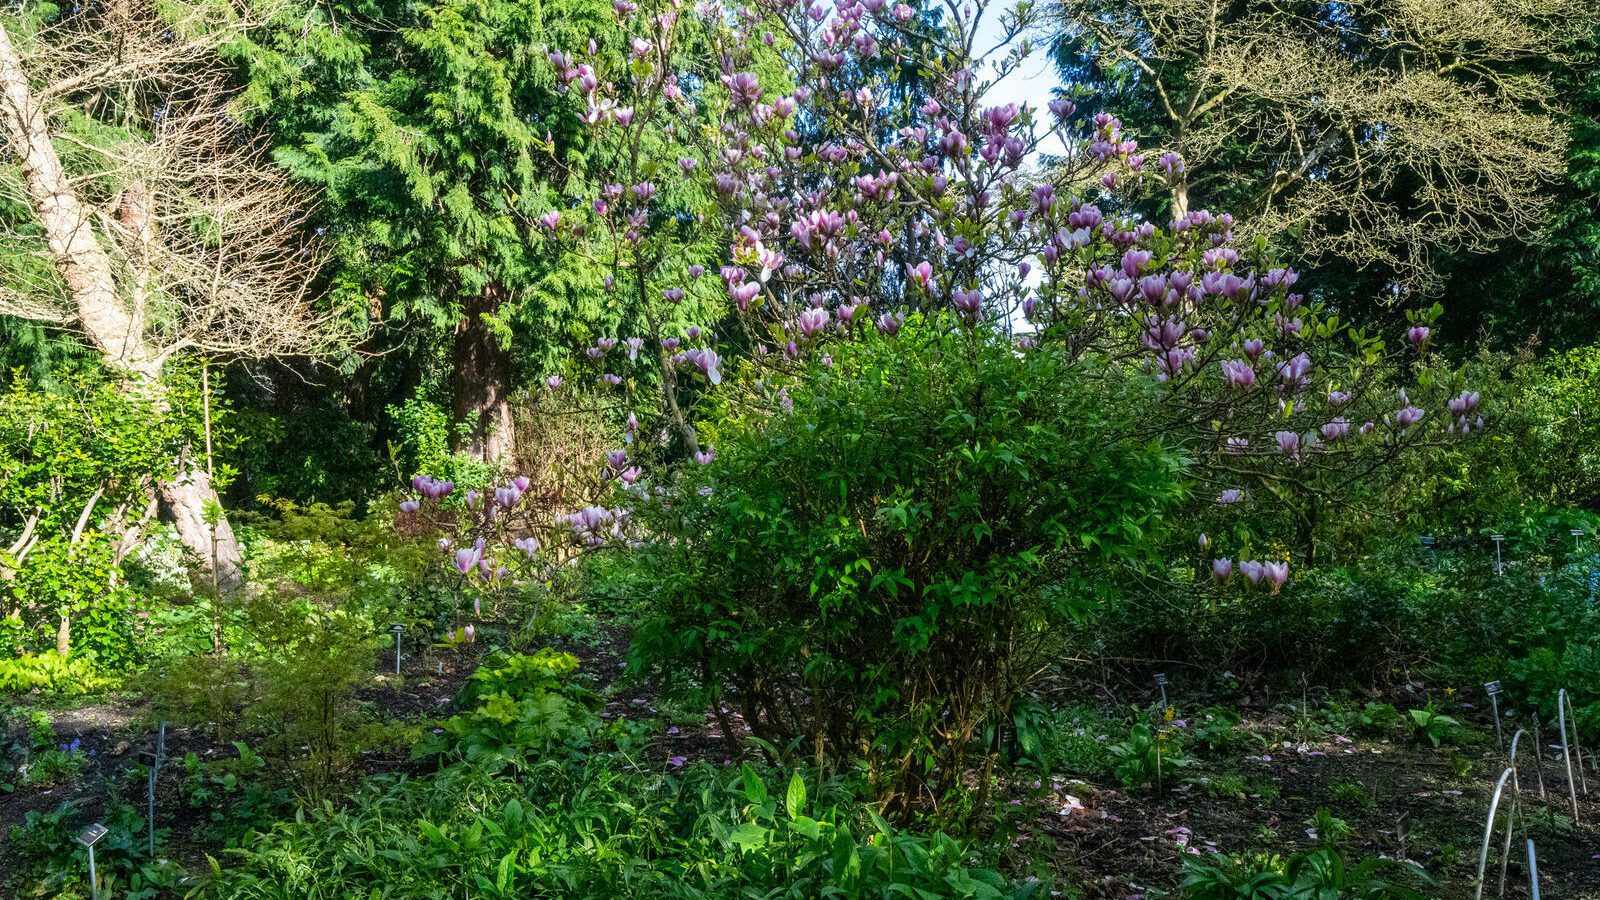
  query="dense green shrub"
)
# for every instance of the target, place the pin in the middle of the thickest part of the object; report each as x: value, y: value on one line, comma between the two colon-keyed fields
x: 876, y: 567
x: 76, y: 465
x: 520, y: 705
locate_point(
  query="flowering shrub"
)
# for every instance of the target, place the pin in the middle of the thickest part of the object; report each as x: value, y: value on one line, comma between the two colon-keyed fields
x: 882, y: 494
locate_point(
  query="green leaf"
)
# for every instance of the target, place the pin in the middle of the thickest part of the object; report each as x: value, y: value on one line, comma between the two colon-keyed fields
x: 755, y: 790
x: 795, y: 801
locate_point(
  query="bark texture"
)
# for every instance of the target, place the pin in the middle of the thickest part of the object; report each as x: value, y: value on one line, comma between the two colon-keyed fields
x: 481, y: 385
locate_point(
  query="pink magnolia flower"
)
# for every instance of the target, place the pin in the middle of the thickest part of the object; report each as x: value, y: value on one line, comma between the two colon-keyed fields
x: 1238, y: 373
x: 969, y: 303
x: 1222, y: 569
x: 1252, y: 570
x: 812, y: 321
x: 467, y: 558
x: 1288, y: 442
x: 1276, y: 573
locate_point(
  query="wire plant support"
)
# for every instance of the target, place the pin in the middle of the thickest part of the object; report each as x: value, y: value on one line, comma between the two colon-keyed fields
x: 1533, y: 872
x: 1488, y: 833
x: 1538, y: 765
x: 1564, y: 706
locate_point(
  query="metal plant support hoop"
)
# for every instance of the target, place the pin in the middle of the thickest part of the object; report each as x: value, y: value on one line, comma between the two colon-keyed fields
x: 1563, y: 706
x: 1538, y: 765
x: 1488, y: 833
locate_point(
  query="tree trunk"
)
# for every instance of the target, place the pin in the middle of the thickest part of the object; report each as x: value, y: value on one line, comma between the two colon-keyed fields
x: 184, y: 499
x: 91, y: 278
x: 481, y: 385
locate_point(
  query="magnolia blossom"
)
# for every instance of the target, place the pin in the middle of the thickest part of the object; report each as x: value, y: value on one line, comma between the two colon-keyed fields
x: 1252, y: 570
x: 1230, y: 497
x: 1238, y: 373
x: 410, y: 506
x: 432, y: 488
x: 467, y: 558
x: 529, y: 546
x: 1408, y: 417
x: 706, y: 457
x: 969, y: 303
x: 813, y: 321
x: 1276, y: 573
x: 1288, y: 442
x: 1222, y: 569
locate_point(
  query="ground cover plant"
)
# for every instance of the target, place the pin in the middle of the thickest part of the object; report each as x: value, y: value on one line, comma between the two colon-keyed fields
x: 787, y: 449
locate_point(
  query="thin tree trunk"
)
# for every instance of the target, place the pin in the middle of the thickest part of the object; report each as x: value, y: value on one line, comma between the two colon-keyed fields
x: 481, y: 385
x: 104, y: 318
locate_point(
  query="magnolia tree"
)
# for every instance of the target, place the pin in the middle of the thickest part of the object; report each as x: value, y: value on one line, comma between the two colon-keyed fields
x: 769, y: 124
x: 846, y: 205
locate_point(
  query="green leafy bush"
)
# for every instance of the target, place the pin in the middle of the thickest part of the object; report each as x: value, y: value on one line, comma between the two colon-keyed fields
x: 1148, y: 756
x: 51, y: 674
x: 520, y: 705
x: 1434, y: 726
x: 75, y: 465
x: 1217, y: 727
x: 881, y: 565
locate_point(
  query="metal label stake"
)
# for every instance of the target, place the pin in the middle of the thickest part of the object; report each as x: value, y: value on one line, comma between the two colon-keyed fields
x: 397, y: 629
x: 87, y: 838
x: 1499, y: 567
x: 1493, y: 690
x: 1161, y: 682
